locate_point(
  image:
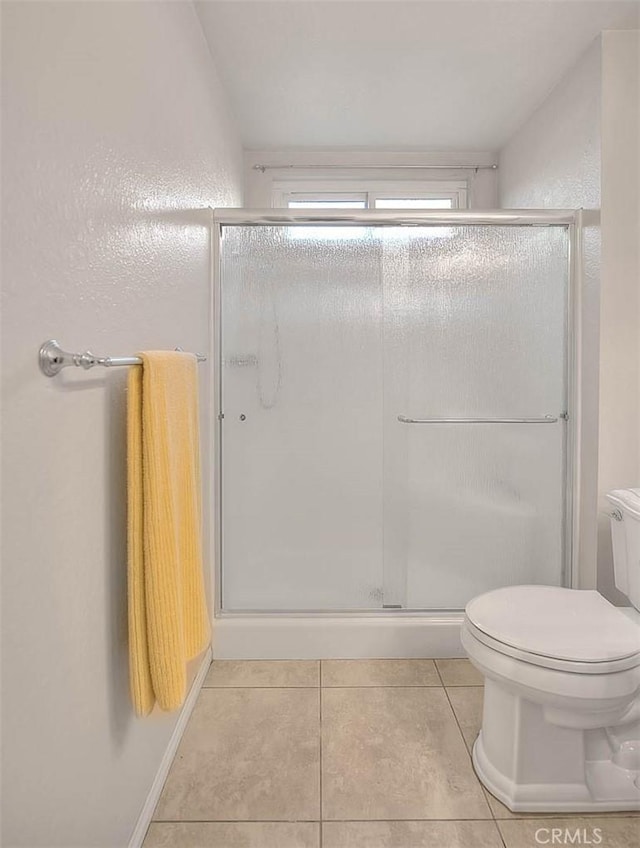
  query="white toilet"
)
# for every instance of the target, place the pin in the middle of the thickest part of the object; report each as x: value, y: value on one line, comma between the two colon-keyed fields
x: 561, y: 723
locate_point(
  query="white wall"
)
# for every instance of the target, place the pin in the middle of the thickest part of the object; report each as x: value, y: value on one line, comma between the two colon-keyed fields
x: 116, y: 138
x: 482, y: 185
x: 619, y: 459
x: 580, y: 149
x: 553, y: 161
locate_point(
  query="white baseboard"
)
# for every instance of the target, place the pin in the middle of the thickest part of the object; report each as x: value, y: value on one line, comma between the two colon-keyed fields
x: 144, y: 820
x: 300, y: 637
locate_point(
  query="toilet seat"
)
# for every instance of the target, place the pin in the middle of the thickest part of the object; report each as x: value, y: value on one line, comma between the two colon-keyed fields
x: 564, y: 629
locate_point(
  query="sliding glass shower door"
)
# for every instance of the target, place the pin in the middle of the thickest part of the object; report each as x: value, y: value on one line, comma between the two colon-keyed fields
x: 475, y: 322
x: 302, y: 487
x: 393, y: 399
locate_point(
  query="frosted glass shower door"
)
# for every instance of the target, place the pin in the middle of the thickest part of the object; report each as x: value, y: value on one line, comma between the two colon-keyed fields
x: 302, y: 357
x: 475, y: 327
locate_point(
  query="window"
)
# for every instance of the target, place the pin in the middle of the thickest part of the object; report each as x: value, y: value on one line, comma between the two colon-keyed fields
x: 336, y: 201
x: 378, y: 194
x: 413, y: 203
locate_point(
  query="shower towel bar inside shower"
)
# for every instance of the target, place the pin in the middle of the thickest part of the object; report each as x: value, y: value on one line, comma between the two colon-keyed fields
x: 547, y: 419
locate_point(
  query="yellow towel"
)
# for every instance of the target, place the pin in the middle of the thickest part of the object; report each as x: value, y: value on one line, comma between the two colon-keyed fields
x: 168, y: 621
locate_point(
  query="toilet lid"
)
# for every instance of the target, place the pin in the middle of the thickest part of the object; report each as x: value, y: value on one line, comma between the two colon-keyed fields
x: 566, y: 624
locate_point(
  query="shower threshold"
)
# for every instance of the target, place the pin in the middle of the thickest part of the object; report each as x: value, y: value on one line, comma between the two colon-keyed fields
x: 379, y: 634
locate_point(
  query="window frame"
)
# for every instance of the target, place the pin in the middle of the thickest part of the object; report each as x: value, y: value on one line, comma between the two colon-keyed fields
x: 309, y: 191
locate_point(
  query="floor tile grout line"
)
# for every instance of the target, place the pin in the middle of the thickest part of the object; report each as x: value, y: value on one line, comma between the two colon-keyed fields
x: 255, y: 686
x: 464, y: 742
x: 320, y: 731
x: 356, y: 686
x: 386, y: 686
x: 358, y: 821
x: 500, y: 836
x: 470, y: 755
x: 532, y: 818
x: 236, y: 821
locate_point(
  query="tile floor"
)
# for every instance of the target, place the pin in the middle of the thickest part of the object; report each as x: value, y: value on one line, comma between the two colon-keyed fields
x: 347, y: 754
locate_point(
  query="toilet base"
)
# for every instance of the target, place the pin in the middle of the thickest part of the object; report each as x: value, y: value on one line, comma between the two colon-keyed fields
x: 607, y: 788
x: 555, y: 740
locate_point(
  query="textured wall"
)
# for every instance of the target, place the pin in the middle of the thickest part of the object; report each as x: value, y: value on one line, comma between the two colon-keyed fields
x: 115, y: 134
x: 619, y: 439
x: 553, y: 161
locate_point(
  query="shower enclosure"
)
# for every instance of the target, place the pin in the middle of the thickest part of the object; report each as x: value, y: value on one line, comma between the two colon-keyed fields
x: 394, y: 430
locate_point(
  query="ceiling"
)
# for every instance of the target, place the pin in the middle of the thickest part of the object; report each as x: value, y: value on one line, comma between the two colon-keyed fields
x: 396, y: 74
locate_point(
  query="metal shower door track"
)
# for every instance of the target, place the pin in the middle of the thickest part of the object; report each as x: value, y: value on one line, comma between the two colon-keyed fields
x: 395, y: 217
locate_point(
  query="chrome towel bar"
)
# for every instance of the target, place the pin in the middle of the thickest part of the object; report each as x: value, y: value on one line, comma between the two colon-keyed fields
x: 52, y: 359
x: 548, y: 419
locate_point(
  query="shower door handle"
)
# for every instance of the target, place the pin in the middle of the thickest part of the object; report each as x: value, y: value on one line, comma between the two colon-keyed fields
x: 547, y: 419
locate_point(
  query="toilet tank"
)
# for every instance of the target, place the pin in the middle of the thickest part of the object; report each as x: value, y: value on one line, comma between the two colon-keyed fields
x: 625, y: 535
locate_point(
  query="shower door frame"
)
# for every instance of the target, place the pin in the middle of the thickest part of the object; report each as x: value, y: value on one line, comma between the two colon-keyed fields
x: 570, y: 219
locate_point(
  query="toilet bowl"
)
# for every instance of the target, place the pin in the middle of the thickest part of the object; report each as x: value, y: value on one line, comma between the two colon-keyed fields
x: 561, y: 720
